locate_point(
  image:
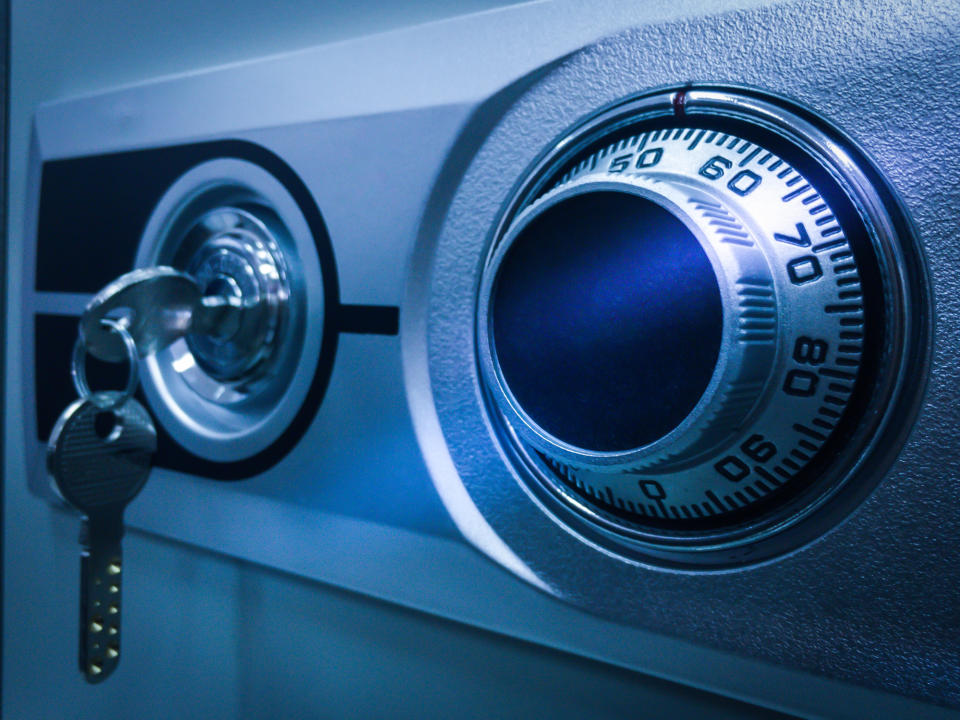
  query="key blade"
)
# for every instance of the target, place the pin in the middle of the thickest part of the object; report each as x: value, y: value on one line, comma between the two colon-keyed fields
x: 101, y: 571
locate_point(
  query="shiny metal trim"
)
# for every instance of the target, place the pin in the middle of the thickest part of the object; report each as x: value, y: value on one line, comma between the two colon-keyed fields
x: 230, y: 419
x: 826, y: 145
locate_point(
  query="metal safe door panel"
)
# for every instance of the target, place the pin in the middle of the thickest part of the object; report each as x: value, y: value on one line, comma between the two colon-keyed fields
x: 381, y: 130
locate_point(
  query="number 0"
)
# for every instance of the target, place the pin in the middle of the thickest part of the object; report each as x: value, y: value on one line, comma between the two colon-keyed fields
x: 803, y: 270
x: 744, y: 182
x: 800, y: 383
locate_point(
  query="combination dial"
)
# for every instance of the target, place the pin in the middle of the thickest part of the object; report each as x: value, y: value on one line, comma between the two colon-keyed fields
x: 686, y: 325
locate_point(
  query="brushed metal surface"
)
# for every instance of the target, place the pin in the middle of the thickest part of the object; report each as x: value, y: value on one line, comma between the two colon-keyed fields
x: 885, y: 73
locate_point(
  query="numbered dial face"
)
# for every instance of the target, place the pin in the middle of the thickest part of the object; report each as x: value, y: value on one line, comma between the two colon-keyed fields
x: 683, y: 326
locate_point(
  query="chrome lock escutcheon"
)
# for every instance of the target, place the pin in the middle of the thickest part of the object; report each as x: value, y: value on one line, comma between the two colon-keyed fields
x: 228, y: 306
x: 228, y: 386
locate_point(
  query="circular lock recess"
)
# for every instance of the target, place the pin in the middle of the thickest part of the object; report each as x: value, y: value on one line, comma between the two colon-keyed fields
x: 228, y: 393
x: 233, y: 253
x: 697, y: 316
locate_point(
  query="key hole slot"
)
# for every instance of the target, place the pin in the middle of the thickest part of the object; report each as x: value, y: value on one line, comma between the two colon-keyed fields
x: 107, y: 425
x: 222, y: 285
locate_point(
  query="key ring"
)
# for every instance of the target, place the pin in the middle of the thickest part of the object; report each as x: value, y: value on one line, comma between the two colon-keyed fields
x: 78, y: 366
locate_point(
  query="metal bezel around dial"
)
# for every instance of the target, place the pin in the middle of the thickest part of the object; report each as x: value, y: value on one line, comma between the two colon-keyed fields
x: 835, y: 465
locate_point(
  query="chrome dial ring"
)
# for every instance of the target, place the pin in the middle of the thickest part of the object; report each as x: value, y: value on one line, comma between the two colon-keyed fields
x: 811, y: 331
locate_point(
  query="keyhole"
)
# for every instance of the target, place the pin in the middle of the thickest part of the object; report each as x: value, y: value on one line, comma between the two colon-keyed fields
x: 225, y: 286
x: 107, y: 425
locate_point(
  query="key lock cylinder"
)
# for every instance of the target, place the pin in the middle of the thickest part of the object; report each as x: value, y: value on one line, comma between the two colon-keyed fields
x: 219, y: 321
x: 226, y: 311
x: 229, y: 307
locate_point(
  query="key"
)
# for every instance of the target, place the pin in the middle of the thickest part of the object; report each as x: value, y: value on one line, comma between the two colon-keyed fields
x: 99, y: 456
x: 159, y: 305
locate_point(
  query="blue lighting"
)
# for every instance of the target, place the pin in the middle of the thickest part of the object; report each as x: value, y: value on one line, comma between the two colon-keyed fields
x: 607, y: 321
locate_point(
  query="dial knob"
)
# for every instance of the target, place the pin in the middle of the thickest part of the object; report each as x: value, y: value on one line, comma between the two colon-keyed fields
x: 633, y: 320
x: 684, y: 319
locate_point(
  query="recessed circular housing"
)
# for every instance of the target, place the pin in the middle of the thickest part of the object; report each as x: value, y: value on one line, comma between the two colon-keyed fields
x: 229, y: 395
x: 693, y: 323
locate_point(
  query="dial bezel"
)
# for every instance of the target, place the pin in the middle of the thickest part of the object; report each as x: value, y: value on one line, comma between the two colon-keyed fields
x: 739, y: 261
x: 846, y: 480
